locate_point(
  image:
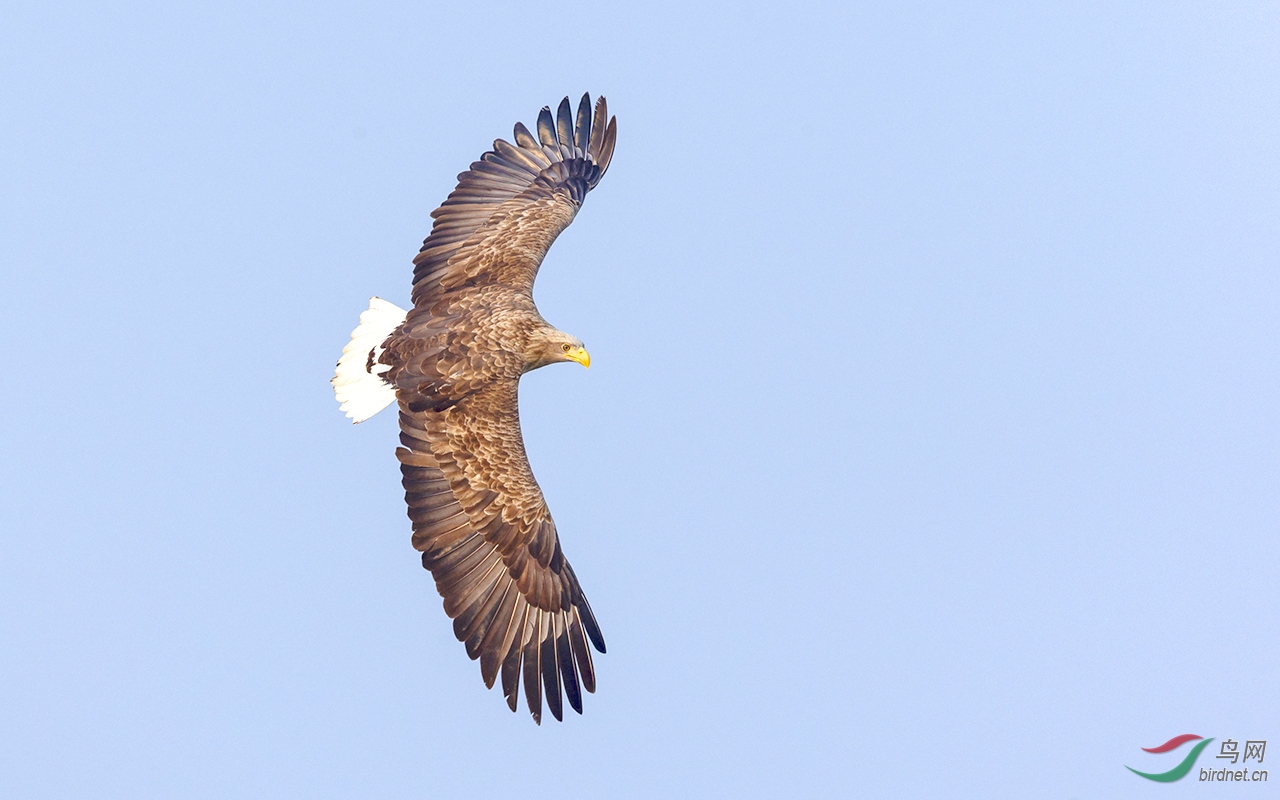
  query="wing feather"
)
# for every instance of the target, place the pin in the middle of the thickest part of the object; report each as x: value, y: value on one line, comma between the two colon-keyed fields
x: 547, y: 129
x: 464, y: 577
x: 582, y: 654
x: 472, y: 624
x: 564, y: 129
x: 515, y: 198
x: 527, y: 159
x: 564, y: 657
x: 606, y: 146
x: 597, y: 130
x: 548, y: 665
x: 532, y: 660
x: 496, y: 641
x: 582, y: 130
x: 523, y: 138
x: 517, y: 166
x: 486, y: 535
x: 515, y: 652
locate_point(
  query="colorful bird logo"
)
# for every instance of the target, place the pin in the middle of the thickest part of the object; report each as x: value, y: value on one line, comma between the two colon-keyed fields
x: 1178, y: 772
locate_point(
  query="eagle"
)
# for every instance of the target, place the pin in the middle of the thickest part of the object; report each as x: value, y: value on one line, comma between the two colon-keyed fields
x: 453, y: 364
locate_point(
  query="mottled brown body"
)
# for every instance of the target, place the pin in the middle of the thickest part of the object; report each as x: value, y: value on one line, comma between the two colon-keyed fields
x: 478, y: 515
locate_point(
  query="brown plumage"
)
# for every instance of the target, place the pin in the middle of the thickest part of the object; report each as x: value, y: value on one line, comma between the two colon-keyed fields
x: 478, y: 516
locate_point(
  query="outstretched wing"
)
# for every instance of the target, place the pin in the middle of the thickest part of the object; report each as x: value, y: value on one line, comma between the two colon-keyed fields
x: 499, y: 222
x: 485, y: 533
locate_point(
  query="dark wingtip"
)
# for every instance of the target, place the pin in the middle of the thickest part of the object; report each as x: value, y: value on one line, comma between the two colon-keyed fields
x: 549, y: 669
x: 524, y: 138
x: 511, y: 673
x: 532, y: 682
x: 597, y: 129
x: 568, y: 674
x: 606, y: 145
x: 564, y: 123
x: 547, y: 128
x: 589, y: 623
x: 582, y: 126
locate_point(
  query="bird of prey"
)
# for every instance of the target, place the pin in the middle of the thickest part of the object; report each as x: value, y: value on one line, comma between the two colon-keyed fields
x: 453, y: 363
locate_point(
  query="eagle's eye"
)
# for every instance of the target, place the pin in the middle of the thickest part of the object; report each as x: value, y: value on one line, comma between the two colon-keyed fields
x: 565, y: 347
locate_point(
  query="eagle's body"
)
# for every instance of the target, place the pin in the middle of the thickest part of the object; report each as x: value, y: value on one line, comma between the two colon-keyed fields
x: 453, y: 363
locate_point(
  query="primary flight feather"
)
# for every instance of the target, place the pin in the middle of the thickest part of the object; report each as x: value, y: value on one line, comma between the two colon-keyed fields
x: 453, y: 363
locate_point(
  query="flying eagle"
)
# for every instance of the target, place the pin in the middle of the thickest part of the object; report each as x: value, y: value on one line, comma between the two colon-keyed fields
x: 453, y: 362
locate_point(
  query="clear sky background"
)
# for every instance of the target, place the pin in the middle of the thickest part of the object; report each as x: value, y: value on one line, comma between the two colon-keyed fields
x: 931, y: 445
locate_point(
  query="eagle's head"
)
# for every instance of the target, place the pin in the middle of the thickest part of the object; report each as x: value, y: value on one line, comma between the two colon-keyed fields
x: 548, y: 345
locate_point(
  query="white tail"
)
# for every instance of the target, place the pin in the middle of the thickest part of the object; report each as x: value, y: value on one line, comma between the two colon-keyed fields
x: 358, y: 382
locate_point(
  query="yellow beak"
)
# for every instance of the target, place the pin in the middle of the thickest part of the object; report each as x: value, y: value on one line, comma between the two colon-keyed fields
x: 580, y: 355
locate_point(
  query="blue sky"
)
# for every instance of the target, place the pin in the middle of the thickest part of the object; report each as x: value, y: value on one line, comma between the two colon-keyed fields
x: 931, y: 443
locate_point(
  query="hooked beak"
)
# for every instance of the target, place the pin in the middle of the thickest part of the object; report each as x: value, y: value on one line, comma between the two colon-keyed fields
x: 580, y: 355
